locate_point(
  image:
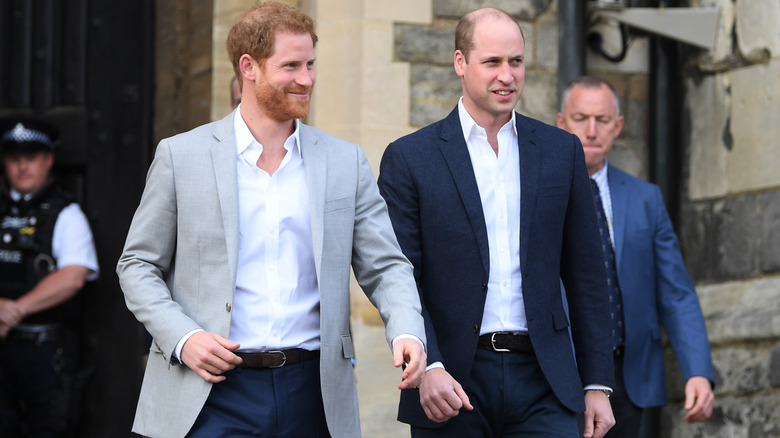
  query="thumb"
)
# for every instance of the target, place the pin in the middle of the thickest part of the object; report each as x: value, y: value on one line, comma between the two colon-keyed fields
x: 690, y: 398
x: 398, y: 353
x: 588, y: 430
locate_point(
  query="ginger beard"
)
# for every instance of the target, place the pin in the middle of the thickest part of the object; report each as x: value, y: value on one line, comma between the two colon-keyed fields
x: 279, y: 104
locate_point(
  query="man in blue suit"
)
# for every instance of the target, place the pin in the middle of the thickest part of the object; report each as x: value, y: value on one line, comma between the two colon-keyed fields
x: 649, y: 271
x: 493, y: 209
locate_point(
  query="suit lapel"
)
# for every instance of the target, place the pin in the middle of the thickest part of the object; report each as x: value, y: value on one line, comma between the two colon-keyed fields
x: 223, y: 155
x: 530, y: 162
x: 618, y: 190
x: 456, y: 155
x: 315, y: 163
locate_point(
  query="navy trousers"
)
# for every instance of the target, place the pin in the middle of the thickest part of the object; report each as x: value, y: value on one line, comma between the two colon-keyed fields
x: 511, y: 398
x: 628, y: 416
x: 281, y: 402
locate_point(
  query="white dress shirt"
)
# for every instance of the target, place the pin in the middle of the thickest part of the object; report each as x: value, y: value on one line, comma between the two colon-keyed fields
x: 277, y: 302
x: 498, y: 180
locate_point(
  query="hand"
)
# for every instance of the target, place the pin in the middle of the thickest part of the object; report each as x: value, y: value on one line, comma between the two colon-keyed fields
x: 10, y: 313
x: 210, y: 355
x: 441, y: 396
x: 598, y: 414
x: 699, y: 399
x: 410, y: 352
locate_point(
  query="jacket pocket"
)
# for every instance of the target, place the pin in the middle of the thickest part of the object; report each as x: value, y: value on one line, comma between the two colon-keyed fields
x: 560, y: 321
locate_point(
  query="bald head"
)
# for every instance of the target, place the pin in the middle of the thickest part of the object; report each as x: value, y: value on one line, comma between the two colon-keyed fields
x: 464, y: 32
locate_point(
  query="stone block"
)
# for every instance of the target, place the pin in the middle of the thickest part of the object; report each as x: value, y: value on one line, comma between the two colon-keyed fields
x: 539, y: 99
x: 754, y: 417
x: 520, y: 9
x: 707, y: 104
x: 696, y: 241
x: 770, y: 237
x: 774, y: 366
x: 758, y: 29
x: 424, y: 44
x: 546, y: 44
x: 753, y: 162
x: 435, y: 92
x: 737, y: 237
x: 741, y: 311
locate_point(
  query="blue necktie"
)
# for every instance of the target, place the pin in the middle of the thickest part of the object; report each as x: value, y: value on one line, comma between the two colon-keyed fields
x: 615, y: 298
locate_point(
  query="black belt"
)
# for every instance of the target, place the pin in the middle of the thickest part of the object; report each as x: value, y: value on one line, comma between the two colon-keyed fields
x: 275, y: 359
x: 503, y: 341
x: 37, y: 334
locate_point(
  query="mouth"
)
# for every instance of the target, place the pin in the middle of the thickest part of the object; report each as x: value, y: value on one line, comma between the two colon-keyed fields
x: 504, y: 93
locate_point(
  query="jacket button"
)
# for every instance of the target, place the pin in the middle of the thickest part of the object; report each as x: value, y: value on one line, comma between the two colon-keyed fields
x: 228, y: 307
x: 476, y: 329
x: 484, y: 286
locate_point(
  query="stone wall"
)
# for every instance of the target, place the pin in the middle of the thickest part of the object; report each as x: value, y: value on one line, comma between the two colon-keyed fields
x: 731, y: 217
x: 183, y: 70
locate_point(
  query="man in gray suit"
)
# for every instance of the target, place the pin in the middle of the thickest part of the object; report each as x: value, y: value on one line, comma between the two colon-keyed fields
x: 238, y: 259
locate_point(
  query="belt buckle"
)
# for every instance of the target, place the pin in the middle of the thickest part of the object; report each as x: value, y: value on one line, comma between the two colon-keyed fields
x: 493, y: 343
x: 284, y: 358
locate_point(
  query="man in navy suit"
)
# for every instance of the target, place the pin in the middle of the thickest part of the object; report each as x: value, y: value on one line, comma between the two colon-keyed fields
x: 493, y: 209
x: 651, y: 277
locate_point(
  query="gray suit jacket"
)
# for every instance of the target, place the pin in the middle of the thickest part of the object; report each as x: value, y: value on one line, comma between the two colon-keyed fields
x: 178, y: 267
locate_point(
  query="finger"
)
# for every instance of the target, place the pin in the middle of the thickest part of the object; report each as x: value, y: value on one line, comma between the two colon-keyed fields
x: 588, y: 430
x: 398, y: 353
x: 464, y: 399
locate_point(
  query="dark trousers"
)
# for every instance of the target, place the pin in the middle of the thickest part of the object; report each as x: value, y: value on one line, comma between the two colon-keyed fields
x: 281, y: 402
x: 37, y: 387
x: 628, y: 416
x: 511, y: 398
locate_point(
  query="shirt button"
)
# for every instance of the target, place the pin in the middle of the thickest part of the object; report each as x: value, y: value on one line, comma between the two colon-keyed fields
x: 228, y: 307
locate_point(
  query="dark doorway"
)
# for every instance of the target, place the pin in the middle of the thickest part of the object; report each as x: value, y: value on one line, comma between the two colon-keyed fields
x: 87, y: 66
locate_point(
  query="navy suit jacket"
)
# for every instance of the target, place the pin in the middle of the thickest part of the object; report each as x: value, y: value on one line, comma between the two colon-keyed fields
x: 655, y: 286
x: 428, y: 182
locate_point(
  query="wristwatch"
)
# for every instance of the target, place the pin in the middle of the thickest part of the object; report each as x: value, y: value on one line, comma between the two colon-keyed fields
x: 605, y: 391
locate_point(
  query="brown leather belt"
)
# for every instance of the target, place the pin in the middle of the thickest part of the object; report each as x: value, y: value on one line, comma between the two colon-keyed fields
x: 275, y: 358
x: 505, y: 342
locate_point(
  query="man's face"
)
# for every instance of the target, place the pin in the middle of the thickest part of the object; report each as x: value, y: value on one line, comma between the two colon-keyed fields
x: 494, y: 75
x: 591, y: 115
x: 285, y: 81
x: 27, y: 172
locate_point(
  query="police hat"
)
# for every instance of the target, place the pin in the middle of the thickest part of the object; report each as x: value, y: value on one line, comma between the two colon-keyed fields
x: 27, y: 135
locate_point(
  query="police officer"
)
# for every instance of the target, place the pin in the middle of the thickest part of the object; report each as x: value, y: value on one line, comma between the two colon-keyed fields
x: 46, y: 255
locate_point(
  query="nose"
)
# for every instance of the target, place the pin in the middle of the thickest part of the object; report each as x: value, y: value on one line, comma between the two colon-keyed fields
x: 505, y: 73
x: 591, y: 131
x: 305, y: 77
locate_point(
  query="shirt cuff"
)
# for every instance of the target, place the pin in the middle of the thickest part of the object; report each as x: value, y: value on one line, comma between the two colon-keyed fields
x: 596, y: 386
x: 180, y: 344
x: 434, y: 365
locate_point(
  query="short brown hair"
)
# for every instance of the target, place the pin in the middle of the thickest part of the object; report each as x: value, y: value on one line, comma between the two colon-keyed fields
x: 464, y: 32
x: 254, y: 32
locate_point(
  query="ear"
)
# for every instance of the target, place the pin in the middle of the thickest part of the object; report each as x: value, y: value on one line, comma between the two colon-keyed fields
x: 559, y: 120
x: 249, y: 67
x: 49, y: 157
x: 619, y: 125
x: 460, y: 63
